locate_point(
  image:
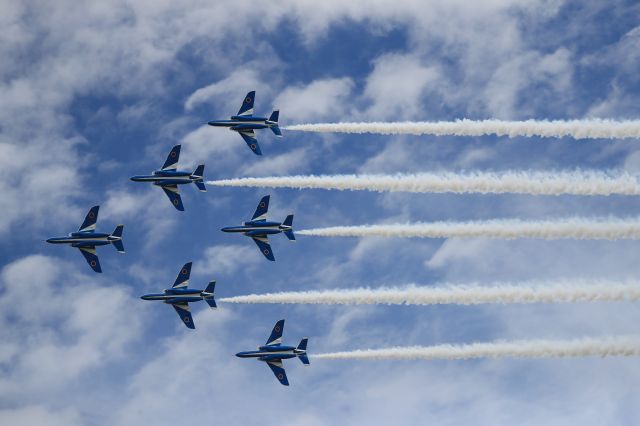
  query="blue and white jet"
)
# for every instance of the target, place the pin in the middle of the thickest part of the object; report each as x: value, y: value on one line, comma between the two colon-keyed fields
x: 180, y: 295
x: 274, y: 352
x: 259, y: 229
x: 168, y: 178
x: 86, y: 239
x: 245, y: 123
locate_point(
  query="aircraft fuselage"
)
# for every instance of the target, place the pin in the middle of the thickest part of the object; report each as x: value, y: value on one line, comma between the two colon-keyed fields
x: 177, y: 295
x: 84, y: 239
x: 240, y: 123
x: 258, y: 228
x: 272, y: 353
x: 168, y: 177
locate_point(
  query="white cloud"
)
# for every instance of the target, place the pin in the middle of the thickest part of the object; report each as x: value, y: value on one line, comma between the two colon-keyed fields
x: 319, y: 100
x: 63, y: 327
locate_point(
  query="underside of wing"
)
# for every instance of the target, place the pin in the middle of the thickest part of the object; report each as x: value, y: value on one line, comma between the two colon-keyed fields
x: 249, y: 137
x: 89, y: 254
x: 185, y: 314
x: 264, y: 246
x: 174, y: 196
x: 278, y: 371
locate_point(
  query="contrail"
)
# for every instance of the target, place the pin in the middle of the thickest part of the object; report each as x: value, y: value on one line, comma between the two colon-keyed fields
x: 620, y: 346
x: 574, y: 228
x: 577, y: 129
x: 527, y: 182
x: 449, y: 294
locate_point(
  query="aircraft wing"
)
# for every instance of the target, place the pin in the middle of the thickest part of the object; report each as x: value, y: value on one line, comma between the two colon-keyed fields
x: 89, y: 253
x: 185, y: 314
x: 249, y: 137
x: 89, y: 224
x: 247, y: 104
x: 278, y: 371
x: 174, y: 196
x: 265, y: 248
x: 172, y: 159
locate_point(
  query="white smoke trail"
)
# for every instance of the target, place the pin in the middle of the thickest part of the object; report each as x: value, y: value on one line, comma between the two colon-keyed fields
x: 527, y: 182
x: 577, y: 129
x: 574, y: 228
x: 447, y: 294
x: 620, y: 346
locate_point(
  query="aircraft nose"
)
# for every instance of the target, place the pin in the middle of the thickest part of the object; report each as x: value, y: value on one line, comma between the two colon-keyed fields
x: 239, y: 354
x: 49, y: 240
x: 145, y: 297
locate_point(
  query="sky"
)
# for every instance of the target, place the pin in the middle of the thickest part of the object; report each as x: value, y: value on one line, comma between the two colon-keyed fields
x: 93, y: 93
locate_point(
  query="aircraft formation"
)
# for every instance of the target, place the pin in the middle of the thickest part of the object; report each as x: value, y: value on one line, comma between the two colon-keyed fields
x: 180, y: 295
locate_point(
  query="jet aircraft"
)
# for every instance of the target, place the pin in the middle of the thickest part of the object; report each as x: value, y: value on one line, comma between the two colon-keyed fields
x: 180, y: 295
x: 259, y: 229
x: 274, y: 352
x: 86, y: 239
x: 245, y: 123
x: 168, y: 178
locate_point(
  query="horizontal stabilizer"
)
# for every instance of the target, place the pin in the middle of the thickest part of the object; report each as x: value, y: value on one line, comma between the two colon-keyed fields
x: 200, y: 185
x: 304, y: 359
x: 199, y: 171
x: 303, y: 344
x: 274, y: 116
x: 276, y: 130
x: 290, y: 235
x: 208, y: 294
x: 118, y: 245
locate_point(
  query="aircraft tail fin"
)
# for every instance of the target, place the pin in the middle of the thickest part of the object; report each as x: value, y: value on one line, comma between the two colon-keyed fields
x: 118, y: 243
x: 303, y: 347
x: 199, y: 173
x: 208, y: 294
x: 303, y: 344
x: 289, y: 233
x: 274, y: 119
x: 304, y: 358
x: 276, y: 130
